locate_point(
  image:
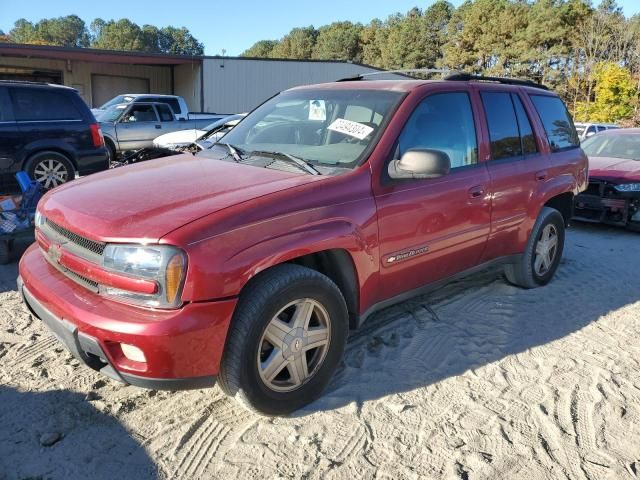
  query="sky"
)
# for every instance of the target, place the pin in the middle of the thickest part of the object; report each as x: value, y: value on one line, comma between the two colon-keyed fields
x: 232, y: 25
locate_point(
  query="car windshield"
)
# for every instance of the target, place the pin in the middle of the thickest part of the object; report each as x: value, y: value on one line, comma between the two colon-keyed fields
x: 613, y: 145
x: 111, y: 114
x: 325, y: 127
x: 117, y: 100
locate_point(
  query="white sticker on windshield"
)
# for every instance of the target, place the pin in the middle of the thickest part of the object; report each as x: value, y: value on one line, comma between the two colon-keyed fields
x: 353, y: 129
x: 317, y: 110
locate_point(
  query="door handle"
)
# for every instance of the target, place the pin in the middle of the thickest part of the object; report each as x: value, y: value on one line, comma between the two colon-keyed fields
x: 541, y: 175
x: 476, y: 192
x: 158, y: 126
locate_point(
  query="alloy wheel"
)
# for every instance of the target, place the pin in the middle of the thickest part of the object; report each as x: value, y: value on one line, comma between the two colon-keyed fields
x: 50, y: 173
x: 546, y: 250
x: 294, y: 345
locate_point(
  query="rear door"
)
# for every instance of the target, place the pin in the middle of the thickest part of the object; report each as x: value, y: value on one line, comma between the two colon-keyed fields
x: 10, y: 138
x: 432, y: 228
x: 138, y: 126
x: 516, y: 165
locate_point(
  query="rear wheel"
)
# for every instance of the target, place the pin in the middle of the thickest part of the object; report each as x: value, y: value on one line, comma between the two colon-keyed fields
x: 543, y: 253
x: 286, y: 339
x: 50, y: 169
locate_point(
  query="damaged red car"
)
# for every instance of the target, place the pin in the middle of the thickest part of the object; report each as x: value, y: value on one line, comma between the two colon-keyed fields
x: 613, y: 195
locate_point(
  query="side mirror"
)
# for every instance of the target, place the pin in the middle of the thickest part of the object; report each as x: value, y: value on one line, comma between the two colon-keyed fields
x: 420, y: 163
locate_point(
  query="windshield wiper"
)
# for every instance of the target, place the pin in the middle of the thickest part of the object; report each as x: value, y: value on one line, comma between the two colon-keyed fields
x: 235, y: 152
x: 303, y: 164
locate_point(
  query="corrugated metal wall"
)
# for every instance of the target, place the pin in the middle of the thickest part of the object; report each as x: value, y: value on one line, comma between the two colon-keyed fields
x: 79, y: 73
x: 234, y: 85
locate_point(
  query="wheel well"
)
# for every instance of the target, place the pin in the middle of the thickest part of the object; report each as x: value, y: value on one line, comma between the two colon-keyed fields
x: 564, y: 204
x: 338, y: 266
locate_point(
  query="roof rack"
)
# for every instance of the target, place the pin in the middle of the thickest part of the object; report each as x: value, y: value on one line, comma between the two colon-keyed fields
x: 449, y: 75
x: 467, y: 77
x: 404, y: 72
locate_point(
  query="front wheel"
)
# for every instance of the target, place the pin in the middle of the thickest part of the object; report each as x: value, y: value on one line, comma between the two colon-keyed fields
x: 285, y: 341
x: 543, y: 253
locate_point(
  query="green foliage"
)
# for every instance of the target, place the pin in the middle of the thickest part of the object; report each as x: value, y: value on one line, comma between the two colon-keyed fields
x: 339, y: 41
x: 69, y: 31
x: 260, y: 49
x: 297, y: 44
x: 123, y: 34
x: 616, y: 95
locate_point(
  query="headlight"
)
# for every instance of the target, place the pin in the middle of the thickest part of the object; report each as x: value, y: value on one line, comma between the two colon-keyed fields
x: 628, y: 187
x: 164, y: 264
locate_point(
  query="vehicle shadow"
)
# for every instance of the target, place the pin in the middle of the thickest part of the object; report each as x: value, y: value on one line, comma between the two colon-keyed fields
x: 482, y: 319
x: 85, y: 442
x: 9, y: 273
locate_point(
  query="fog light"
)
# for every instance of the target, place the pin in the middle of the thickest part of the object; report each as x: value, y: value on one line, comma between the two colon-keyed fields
x: 133, y: 353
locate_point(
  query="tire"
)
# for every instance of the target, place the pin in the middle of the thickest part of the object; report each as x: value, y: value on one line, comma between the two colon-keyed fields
x: 51, y: 169
x: 283, y: 291
x: 5, y: 255
x: 111, y: 151
x: 527, y: 272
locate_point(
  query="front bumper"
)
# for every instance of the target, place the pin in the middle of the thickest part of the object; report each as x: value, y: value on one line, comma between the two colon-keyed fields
x: 601, y: 203
x: 183, y: 348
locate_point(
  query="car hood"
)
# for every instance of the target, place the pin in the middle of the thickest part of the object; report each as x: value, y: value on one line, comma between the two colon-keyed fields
x: 145, y: 201
x: 614, y: 169
x: 181, y: 136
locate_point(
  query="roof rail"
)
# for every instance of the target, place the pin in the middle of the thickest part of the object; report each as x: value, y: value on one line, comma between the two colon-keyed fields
x: 467, y: 77
x: 449, y: 75
x: 29, y: 82
x: 403, y: 72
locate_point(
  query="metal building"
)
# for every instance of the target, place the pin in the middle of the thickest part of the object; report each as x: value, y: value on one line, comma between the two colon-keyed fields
x: 213, y: 84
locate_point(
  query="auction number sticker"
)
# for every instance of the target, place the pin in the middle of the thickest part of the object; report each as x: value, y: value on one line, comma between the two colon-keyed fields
x: 353, y: 129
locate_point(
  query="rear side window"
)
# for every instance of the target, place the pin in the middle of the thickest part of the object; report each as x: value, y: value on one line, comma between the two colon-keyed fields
x: 172, y: 102
x: 166, y: 115
x: 6, y: 114
x: 557, y: 122
x: 503, y: 126
x: 527, y: 137
x: 38, y: 104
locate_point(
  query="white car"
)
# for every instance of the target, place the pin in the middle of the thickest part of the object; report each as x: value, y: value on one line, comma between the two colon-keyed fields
x: 183, y: 138
x: 586, y: 130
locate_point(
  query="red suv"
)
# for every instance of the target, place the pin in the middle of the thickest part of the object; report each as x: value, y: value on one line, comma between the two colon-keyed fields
x: 250, y: 262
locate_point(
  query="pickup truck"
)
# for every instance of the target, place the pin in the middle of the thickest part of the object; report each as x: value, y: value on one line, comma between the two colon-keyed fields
x: 176, y: 102
x: 249, y: 262
x: 132, y: 126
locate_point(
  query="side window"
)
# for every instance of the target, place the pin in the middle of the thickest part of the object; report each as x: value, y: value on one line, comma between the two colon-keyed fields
x: 503, y: 126
x: 6, y: 113
x: 443, y: 121
x: 557, y: 122
x: 166, y: 115
x: 173, y: 103
x: 529, y: 145
x: 33, y: 104
x: 141, y: 113
x: 591, y: 130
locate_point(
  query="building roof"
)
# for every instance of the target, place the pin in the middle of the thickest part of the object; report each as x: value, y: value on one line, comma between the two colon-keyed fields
x: 138, y: 58
x: 94, y: 55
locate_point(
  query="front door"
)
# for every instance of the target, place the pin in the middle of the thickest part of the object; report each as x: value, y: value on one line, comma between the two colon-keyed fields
x: 138, y: 126
x: 430, y: 229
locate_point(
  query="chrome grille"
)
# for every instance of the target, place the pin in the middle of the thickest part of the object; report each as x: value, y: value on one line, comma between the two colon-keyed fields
x: 80, y: 241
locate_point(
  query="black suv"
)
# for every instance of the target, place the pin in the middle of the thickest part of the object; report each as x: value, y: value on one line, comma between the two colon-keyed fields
x: 48, y: 131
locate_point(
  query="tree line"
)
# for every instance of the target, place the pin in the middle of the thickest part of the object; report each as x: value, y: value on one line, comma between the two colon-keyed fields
x: 590, y: 54
x: 123, y: 34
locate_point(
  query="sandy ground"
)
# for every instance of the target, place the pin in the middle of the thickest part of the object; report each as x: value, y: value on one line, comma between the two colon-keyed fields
x: 481, y: 380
